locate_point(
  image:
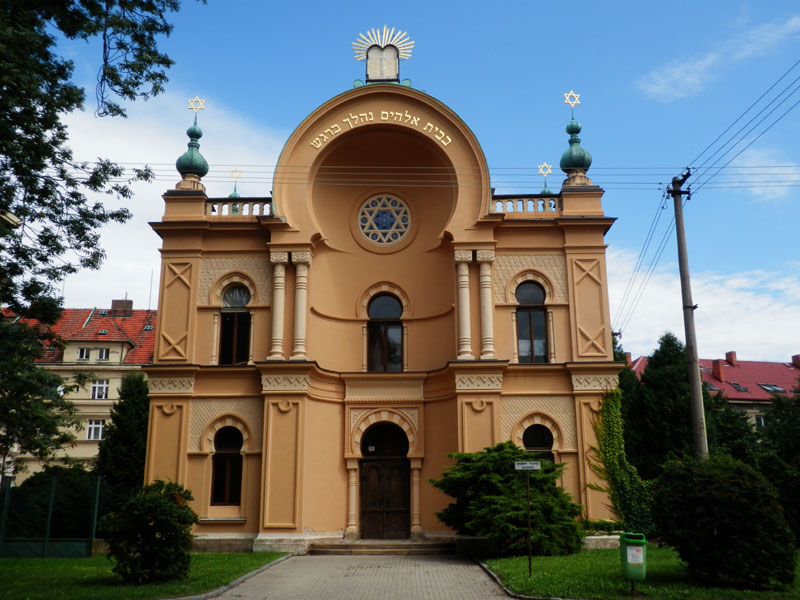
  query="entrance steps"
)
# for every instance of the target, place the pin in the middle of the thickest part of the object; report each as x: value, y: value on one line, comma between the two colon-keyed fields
x: 383, y: 548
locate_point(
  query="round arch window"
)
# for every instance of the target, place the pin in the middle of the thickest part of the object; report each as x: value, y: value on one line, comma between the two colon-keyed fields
x: 539, y: 439
x: 384, y: 220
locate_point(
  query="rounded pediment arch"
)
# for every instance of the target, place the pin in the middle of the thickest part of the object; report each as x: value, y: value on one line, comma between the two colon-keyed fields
x: 442, y: 152
x: 530, y: 275
x: 229, y: 280
x: 229, y: 420
x: 536, y: 418
x: 384, y: 415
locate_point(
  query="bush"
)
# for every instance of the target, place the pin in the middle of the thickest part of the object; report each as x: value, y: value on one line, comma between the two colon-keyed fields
x: 491, y: 502
x: 725, y: 521
x: 150, y: 537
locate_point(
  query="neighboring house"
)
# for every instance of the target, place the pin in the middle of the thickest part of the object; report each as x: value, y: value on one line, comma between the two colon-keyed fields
x: 320, y: 352
x: 108, y: 343
x: 747, y: 384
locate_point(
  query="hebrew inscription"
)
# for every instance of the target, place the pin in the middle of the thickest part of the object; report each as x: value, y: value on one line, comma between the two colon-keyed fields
x: 399, y: 115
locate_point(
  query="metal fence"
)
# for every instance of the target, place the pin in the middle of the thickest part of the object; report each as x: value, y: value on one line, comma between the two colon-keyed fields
x: 52, y: 514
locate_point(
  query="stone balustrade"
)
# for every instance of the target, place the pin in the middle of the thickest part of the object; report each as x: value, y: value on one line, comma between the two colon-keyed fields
x: 239, y: 207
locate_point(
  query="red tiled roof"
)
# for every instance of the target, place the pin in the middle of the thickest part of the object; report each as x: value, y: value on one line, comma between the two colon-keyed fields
x: 85, y: 325
x: 747, y: 374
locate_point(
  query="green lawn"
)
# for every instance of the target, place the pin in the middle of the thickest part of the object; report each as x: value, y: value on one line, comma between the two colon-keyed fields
x: 92, y: 579
x: 597, y: 574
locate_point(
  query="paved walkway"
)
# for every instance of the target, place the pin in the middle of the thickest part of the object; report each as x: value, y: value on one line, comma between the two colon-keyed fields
x: 367, y: 577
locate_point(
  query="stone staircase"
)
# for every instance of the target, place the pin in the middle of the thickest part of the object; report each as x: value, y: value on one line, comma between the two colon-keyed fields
x: 383, y: 548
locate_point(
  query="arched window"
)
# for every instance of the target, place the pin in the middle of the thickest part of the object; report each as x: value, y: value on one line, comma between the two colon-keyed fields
x: 531, y: 323
x: 538, y: 438
x: 226, y: 477
x: 385, y: 334
x: 234, y: 338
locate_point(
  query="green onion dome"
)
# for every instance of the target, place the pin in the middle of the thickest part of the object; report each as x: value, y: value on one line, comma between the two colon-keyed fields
x: 192, y: 162
x: 575, y: 157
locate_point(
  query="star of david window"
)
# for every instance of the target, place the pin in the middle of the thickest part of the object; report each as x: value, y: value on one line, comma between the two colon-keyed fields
x: 384, y: 219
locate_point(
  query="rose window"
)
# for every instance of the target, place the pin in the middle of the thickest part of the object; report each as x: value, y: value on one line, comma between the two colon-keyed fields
x: 384, y: 219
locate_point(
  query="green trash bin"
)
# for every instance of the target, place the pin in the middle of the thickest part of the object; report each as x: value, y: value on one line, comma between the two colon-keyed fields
x: 633, y: 555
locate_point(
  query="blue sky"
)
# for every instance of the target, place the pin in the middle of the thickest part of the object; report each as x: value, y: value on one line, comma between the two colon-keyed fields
x: 659, y: 82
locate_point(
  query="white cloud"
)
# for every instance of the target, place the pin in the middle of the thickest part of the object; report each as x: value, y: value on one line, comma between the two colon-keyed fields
x: 767, y: 174
x: 154, y: 133
x: 688, y: 76
x: 754, y: 313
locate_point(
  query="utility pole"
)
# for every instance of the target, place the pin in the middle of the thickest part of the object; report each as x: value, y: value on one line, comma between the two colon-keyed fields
x: 695, y: 390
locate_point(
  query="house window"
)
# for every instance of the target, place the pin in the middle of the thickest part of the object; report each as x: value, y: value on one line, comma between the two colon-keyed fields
x: 531, y: 323
x: 772, y: 388
x: 103, y: 353
x: 539, y: 439
x: 94, y: 431
x: 226, y: 476
x: 84, y: 353
x: 385, y: 334
x: 234, y: 338
x: 738, y: 386
x: 100, y: 389
x: 760, y: 420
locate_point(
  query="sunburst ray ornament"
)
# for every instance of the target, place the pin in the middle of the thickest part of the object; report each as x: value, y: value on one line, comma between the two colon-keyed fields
x: 387, y: 37
x: 196, y: 104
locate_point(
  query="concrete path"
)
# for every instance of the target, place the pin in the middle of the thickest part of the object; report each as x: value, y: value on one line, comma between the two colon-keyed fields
x: 368, y: 577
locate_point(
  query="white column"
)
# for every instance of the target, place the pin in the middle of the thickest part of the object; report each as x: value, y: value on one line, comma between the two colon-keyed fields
x: 463, y: 258
x: 485, y: 259
x: 301, y: 261
x: 252, y: 329
x: 551, y: 337
x: 515, y: 350
x: 278, y: 260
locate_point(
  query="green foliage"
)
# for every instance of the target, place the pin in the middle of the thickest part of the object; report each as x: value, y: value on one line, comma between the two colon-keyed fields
x: 121, y: 452
x: 491, y: 502
x: 725, y: 520
x: 780, y: 456
x: 72, y: 490
x: 150, y: 537
x: 35, y: 416
x: 41, y: 185
x: 730, y: 432
x: 657, y: 413
x: 629, y: 494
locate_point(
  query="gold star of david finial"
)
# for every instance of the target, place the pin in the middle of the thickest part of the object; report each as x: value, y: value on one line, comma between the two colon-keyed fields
x: 196, y: 104
x: 545, y: 169
x: 236, y: 174
x: 572, y: 99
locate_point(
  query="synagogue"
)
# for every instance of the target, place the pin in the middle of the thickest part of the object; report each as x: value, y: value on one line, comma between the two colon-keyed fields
x: 321, y: 350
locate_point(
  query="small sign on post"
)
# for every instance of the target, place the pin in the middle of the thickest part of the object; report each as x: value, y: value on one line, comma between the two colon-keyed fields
x: 527, y: 465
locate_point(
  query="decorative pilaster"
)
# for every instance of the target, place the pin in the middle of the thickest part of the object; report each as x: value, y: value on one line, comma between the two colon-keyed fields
x: 301, y: 261
x: 416, y: 520
x: 215, y: 338
x: 252, y: 333
x: 485, y: 260
x: 463, y: 258
x: 351, y: 533
x: 278, y: 260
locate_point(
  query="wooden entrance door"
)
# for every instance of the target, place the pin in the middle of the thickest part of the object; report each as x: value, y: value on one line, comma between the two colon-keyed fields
x: 385, y: 498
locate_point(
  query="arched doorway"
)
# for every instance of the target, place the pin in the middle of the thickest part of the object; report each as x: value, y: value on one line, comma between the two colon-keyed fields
x: 385, y: 483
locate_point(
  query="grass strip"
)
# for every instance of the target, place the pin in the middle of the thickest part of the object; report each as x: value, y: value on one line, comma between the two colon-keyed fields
x: 597, y: 574
x: 92, y: 579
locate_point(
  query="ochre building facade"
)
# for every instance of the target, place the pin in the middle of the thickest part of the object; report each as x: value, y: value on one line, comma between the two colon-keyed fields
x: 319, y: 352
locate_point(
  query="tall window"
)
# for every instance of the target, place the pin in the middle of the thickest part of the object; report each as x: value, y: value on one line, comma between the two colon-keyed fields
x: 531, y: 323
x: 234, y: 338
x: 539, y: 439
x: 100, y: 389
x: 94, y: 430
x: 385, y: 334
x: 84, y: 353
x: 103, y: 353
x: 226, y: 477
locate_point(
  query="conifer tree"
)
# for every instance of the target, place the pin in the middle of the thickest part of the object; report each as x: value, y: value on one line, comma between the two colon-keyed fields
x: 121, y: 452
